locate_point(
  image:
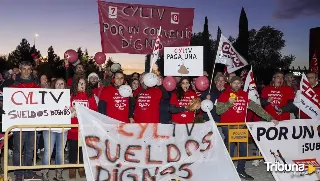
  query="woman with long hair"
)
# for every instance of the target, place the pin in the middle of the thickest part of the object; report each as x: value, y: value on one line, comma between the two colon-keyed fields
x: 180, y: 100
x: 81, y: 94
x: 57, y: 139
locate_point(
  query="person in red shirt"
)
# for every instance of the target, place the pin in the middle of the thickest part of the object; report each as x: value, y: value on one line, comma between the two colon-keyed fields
x: 112, y: 104
x: 179, y: 102
x: 96, y: 86
x: 147, y: 103
x: 277, y: 98
x: 25, y: 80
x: 232, y: 106
x: 81, y: 94
x: 313, y: 80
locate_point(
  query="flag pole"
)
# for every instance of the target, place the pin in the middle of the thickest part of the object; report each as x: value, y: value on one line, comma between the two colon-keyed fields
x: 214, y: 63
x: 153, y: 55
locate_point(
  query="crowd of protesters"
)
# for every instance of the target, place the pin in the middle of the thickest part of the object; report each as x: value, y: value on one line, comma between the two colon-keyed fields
x: 101, y: 94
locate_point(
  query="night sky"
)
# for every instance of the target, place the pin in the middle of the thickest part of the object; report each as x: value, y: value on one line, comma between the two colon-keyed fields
x: 66, y: 24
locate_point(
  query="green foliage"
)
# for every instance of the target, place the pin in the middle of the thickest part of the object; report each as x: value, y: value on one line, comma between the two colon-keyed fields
x: 265, y: 46
x: 23, y: 52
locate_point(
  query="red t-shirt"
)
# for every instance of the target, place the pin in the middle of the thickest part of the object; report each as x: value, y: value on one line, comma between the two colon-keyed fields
x: 147, y: 108
x: 81, y: 98
x: 137, y: 91
x: 304, y: 115
x: 69, y: 82
x: 98, y: 91
x: 117, y: 106
x: 186, y: 116
x: 26, y: 85
x: 237, y: 113
x: 281, y: 95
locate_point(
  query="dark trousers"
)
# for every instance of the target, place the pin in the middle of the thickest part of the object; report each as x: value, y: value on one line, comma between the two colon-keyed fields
x: 27, y: 145
x: 73, y: 152
x: 242, y: 149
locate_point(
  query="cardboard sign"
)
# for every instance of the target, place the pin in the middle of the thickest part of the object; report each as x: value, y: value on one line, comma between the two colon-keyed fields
x: 35, y: 106
x: 183, y: 61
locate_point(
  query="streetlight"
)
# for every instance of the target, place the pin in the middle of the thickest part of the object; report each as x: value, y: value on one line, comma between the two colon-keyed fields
x: 34, y: 39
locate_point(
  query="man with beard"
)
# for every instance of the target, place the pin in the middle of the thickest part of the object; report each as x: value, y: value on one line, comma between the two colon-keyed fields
x: 232, y: 106
x: 79, y: 72
x: 94, y: 83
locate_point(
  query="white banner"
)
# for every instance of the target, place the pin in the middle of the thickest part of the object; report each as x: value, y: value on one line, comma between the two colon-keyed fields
x: 161, y: 151
x: 290, y: 149
x: 228, y: 55
x: 307, y: 100
x: 251, y: 88
x: 35, y: 106
x: 183, y: 61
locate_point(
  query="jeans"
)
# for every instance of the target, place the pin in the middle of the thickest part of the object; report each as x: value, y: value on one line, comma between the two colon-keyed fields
x: 27, y: 141
x: 55, y: 139
x: 242, y: 149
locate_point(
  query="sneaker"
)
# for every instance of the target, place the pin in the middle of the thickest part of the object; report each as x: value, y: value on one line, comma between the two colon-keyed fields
x: 244, y: 175
x: 33, y: 176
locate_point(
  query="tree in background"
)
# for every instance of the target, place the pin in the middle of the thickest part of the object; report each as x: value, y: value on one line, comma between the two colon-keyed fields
x: 265, y: 55
x: 204, y: 39
x: 4, y: 64
x: 242, y: 42
x: 23, y: 52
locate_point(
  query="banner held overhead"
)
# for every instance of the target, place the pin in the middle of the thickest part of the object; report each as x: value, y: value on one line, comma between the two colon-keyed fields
x: 133, y: 28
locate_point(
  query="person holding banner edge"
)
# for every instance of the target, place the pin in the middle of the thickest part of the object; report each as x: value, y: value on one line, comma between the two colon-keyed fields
x: 81, y: 94
x: 25, y: 80
x: 232, y: 105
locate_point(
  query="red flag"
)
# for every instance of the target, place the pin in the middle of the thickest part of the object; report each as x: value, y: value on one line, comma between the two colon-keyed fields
x: 314, y: 63
x: 244, y: 74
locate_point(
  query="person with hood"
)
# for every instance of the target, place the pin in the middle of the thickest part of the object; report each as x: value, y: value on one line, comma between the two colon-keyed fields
x: 25, y: 80
x: 112, y: 104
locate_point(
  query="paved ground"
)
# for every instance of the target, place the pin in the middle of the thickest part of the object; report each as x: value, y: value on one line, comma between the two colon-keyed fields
x: 259, y: 173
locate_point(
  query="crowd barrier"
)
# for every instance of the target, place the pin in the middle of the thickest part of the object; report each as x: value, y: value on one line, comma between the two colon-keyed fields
x: 8, y: 167
x: 238, y: 133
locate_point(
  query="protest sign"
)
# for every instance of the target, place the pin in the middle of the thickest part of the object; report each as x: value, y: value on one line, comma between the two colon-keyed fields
x: 183, y: 61
x: 125, y: 152
x: 289, y: 147
x: 133, y: 28
x: 34, y: 106
x: 307, y: 100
